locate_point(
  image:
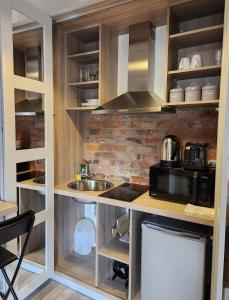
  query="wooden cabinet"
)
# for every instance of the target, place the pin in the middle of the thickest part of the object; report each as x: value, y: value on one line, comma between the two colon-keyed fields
x: 82, y: 68
x: 193, y: 30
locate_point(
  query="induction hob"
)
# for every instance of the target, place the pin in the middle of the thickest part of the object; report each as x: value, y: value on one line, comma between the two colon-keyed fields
x: 126, y: 192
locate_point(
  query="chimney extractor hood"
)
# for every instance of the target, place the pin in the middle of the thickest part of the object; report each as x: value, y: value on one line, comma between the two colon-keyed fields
x: 140, y: 97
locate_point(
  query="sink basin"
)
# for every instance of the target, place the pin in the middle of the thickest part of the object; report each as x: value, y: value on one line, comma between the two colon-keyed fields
x: 39, y: 180
x: 90, y: 185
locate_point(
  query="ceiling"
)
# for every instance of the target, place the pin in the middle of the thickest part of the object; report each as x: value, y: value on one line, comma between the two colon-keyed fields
x: 57, y: 7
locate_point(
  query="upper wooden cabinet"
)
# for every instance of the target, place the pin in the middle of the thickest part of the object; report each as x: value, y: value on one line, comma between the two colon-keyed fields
x: 195, y: 27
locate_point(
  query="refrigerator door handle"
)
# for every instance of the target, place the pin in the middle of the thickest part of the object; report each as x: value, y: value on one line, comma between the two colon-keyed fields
x: 173, y: 232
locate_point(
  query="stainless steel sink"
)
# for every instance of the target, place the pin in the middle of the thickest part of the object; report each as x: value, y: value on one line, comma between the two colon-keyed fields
x: 39, y: 180
x: 90, y: 185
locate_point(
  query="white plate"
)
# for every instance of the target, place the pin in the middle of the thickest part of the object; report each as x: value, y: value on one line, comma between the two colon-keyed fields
x: 89, y: 104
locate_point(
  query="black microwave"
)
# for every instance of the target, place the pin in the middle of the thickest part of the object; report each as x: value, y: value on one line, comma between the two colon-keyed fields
x: 182, y: 186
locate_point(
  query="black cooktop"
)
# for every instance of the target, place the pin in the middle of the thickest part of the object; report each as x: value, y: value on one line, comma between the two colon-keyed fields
x: 126, y: 192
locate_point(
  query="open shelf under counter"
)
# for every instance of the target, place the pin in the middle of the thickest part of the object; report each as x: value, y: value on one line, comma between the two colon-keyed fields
x: 79, y: 267
x: 196, y: 37
x: 37, y: 256
x: 190, y: 104
x: 85, y: 84
x: 86, y: 57
x: 196, y: 73
x: 114, y: 287
x: 116, y: 250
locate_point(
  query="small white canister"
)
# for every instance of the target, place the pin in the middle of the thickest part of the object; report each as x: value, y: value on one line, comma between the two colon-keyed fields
x: 193, y: 93
x: 210, y: 92
x: 176, y: 95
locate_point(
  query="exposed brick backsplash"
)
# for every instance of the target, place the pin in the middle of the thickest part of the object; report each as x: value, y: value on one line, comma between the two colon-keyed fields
x: 30, y: 131
x: 127, y: 145
x: 30, y: 134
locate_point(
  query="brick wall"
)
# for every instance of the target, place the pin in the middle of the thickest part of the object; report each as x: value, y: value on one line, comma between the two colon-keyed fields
x: 30, y: 134
x: 30, y: 131
x: 127, y: 145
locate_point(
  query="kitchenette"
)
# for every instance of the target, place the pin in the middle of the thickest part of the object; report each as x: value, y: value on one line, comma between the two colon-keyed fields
x: 126, y: 170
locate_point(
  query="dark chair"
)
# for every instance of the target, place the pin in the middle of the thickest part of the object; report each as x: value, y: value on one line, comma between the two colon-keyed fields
x: 9, y: 230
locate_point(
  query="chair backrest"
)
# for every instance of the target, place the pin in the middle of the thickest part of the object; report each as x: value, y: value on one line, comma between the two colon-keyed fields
x: 14, y: 227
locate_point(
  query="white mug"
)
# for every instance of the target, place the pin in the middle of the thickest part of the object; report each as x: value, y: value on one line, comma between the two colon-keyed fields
x: 196, y: 61
x: 184, y: 63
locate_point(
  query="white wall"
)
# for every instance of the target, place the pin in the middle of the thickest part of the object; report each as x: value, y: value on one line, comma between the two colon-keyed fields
x: 159, y: 66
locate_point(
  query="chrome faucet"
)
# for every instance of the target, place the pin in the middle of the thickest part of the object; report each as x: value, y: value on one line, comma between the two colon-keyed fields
x: 88, y: 169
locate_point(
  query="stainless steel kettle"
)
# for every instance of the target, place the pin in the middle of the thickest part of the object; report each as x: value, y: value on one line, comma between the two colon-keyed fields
x: 170, y: 152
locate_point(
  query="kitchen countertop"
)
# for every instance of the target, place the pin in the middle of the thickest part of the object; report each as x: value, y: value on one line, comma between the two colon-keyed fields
x: 7, y: 208
x: 143, y: 203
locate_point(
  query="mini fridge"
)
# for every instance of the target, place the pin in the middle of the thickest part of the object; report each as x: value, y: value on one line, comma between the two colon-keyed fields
x: 176, y: 260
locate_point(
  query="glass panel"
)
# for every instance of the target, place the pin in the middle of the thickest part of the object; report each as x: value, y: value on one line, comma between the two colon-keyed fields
x: 30, y: 124
x: 32, y: 174
x: 36, y: 247
x: 28, y: 47
x: 30, y: 170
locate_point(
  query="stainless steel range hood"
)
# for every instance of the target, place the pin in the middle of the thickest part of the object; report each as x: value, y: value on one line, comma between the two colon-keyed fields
x: 140, y: 97
x: 32, y: 103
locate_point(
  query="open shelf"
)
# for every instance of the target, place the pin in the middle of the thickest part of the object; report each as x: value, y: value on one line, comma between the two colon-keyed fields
x: 80, y: 267
x: 114, y: 287
x: 197, y: 72
x: 37, y: 256
x: 81, y: 108
x: 86, y: 57
x: 116, y: 250
x: 106, y: 283
x: 195, y: 103
x: 207, y: 35
x: 85, y: 84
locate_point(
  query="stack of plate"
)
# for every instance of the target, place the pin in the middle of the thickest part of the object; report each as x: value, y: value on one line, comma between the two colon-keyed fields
x: 91, y: 102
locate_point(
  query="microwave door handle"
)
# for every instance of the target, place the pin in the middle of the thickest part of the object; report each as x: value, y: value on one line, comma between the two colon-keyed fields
x: 194, y: 188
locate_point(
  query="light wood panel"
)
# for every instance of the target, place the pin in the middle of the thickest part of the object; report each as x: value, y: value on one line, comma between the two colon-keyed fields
x: 136, y: 218
x: 35, y: 250
x: 197, y: 72
x: 30, y: 199
x: 116, y: 249
x: 211, y: 34
x: 7, y: 208
x: 194, y: 103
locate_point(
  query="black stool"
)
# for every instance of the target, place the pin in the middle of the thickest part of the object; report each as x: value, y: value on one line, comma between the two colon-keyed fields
x: 9, y: 230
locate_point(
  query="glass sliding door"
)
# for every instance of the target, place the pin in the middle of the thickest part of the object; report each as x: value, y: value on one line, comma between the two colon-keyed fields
x: 27, y: 115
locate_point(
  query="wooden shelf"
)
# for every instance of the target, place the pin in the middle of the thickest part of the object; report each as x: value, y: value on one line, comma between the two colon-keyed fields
x: 85, y: 84
x: 81, y: 108
x: 114, y: 287
x: 196, y: 37
x: 79, y: 267
x: 196, y: 73
x: 195, y: 103
x: 116, y: 250
x: 86, y: 57
x: 37, y: 256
